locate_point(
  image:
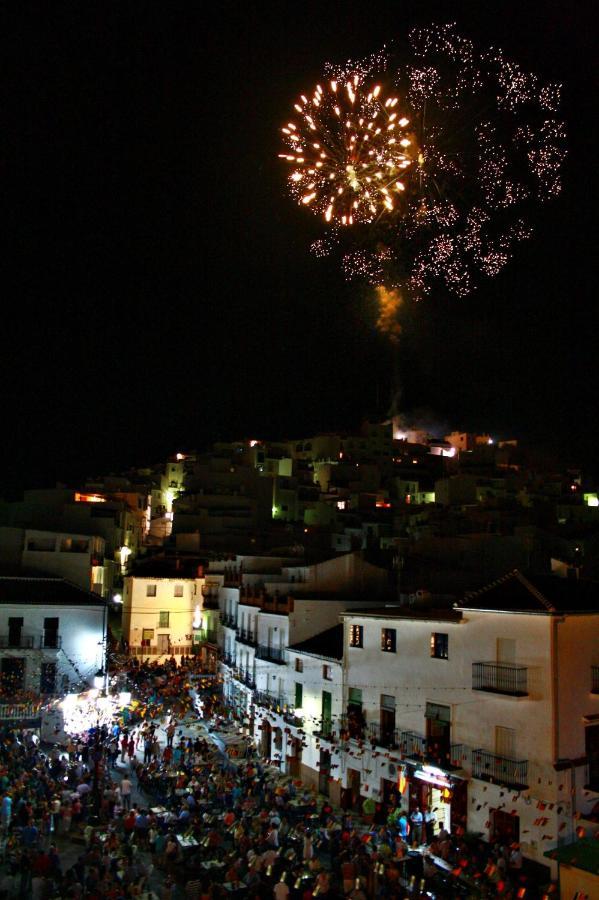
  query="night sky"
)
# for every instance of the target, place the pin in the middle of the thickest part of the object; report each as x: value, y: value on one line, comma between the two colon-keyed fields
x: 157, y: 284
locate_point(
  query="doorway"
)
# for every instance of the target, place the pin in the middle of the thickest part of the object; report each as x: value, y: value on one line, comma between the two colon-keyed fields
x: 294, y: 758
x: 51, y: 633
x: 163, y: 643
x: 505, y: 828
x: 324, y: 772
x: 15, y: 626
x: 354, y: 785
x: 266, y: 739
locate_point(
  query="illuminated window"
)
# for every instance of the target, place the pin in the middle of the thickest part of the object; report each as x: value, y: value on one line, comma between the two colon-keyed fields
x: 356, y: 635
x: 147, y: 636
x: 299, y: 665
x: 163, y: 618
x: 388, y: 640
x: 439, y: 645
x: 178, y: 590
x: 150, y: 590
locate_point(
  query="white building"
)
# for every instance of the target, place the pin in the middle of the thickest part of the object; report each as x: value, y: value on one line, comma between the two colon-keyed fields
x: 52, y: 635
x: 490, y: 712
x: 78, y: 558
x: 165, y: 616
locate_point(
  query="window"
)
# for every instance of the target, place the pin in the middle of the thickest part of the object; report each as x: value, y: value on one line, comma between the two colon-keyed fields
x: 178, y: 592
x: 388, y: 636
x: 147, y: 636
x: 150, y: 590
x: 299, y: 665
x: 439, y: 645
x: 326, y: 673
x: 505, y: 742
x: 356, y: 635
x: 163, y: 618
x: 299, y: 695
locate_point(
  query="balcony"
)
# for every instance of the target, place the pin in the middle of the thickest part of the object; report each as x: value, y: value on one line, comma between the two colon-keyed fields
x: 271, y: 654
x: 228, y: 620
x: 383, y: 737
x: 245, y: 677
x: 51, y: 642
x: 434, y: 751
x: 19, y: 711
x: 500, y: 678
x: 510, y: 773
x: 278, y: 605
x: 594, y: 679
x: 292, y: 718
x: 268, y: 700
x: 210, y: 602
x: 48, y: 641
x: 19, y: 642
x: 245, y: 636
x: 228, y: 659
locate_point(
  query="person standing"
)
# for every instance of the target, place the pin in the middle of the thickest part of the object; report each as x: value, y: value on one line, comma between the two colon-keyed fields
x: 417, y: 819
x: 6, y: 811
x: 429, y: 824
x: 170, y: 732
x: 126, y: 792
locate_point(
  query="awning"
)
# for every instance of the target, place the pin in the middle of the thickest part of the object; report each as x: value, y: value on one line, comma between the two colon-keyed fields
x: 580, y: 854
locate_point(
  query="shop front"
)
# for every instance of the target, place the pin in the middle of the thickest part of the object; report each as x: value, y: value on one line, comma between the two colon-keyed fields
x: 445, y: 794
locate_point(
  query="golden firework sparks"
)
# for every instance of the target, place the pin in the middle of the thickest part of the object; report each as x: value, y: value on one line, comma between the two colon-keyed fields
x: 349, y: 151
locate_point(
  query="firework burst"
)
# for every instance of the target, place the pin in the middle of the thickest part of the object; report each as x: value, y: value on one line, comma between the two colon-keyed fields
x: 426, y: 169
x: 349, y: 150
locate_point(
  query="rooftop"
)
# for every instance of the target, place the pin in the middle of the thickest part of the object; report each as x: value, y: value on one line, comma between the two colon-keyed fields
x: 545, y: 594
x: 406, y: 612
x: 328, y: 643
x: 42, y: 591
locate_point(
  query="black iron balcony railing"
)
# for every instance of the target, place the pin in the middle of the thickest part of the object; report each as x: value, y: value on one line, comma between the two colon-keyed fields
x: 51, y: 642
x: 245, y: 677
x: 268, y: 700
x: 290, y: 715
x: 500, y: 678
x: 207, y: 635
x: 21, y: 641
x: 245, y: 636
x: 30, y: 642
x: 595, y: 679
x: 228, y: 659
x: 210, y: 602
x: 511, y: 773
x: 228, y: 620
x: 271, y: 654
x: 433, y: 750
x: 383, y: 736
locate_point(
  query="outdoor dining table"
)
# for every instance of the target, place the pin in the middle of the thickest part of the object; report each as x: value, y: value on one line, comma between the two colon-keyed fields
x: 187, y: 842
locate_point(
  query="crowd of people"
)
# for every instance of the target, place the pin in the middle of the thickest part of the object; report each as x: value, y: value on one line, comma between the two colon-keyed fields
x: 153, y: 807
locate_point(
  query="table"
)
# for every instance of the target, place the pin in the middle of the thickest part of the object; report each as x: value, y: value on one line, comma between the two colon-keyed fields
x: 187, y: 843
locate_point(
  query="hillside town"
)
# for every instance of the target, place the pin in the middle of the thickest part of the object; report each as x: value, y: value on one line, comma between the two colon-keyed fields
x: 344, y: 665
